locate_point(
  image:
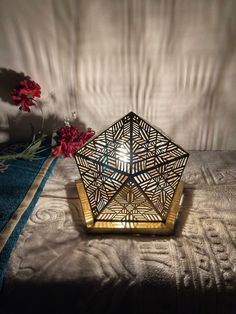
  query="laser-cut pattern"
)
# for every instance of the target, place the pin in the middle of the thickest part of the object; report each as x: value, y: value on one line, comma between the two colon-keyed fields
x: 131, y: 171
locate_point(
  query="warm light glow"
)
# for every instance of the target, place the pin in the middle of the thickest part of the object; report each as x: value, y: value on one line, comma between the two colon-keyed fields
x: 123, y: 154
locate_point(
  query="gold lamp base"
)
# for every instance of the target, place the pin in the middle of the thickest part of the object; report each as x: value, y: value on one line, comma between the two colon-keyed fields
x: 160, y: 228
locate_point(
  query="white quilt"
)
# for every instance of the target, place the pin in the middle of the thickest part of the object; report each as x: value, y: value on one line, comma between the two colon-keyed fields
x: 57, y: 268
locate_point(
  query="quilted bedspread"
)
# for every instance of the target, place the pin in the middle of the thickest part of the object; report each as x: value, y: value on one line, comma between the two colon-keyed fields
x: 57, y: 267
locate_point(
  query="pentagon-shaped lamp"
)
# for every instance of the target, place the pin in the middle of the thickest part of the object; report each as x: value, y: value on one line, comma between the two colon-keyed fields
x: 130, y: 179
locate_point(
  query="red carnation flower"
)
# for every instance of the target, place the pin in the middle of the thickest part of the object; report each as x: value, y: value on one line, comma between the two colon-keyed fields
x: 70, y: 140
x: 68, y: 133
x: 24, y: 93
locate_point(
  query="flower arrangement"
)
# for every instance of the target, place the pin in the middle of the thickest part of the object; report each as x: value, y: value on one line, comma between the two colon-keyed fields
x: 65, y: 142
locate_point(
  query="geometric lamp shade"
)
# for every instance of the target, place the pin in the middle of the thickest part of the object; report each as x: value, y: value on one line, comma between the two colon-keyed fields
x: 130, y: 179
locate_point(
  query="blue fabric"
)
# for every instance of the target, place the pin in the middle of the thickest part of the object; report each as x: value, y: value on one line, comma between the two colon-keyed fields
x: 15, y: 183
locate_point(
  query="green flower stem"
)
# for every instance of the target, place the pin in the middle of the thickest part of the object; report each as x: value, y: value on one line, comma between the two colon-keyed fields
x: 41, y: 109
x: 29, y: 152
x: 35, y: 142
x: 10, y: 157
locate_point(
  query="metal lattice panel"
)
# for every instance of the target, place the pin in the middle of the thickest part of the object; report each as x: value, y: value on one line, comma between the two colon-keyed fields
x: 130, y: 172
x: 130, y: 204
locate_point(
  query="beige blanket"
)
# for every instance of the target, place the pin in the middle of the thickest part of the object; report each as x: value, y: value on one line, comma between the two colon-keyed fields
x: 58, y: 268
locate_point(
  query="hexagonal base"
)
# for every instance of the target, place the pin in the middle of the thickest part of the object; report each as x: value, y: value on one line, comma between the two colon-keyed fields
x: 160, y: 228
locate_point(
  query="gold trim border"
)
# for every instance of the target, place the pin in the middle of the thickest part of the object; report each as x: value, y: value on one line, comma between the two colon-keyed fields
x: 160, y: 228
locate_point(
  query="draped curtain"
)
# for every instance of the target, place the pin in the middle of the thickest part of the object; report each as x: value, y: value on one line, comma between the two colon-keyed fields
x: 173, y: 62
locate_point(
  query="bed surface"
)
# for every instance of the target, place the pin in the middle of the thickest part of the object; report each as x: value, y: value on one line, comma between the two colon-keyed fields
x: 57, y: 267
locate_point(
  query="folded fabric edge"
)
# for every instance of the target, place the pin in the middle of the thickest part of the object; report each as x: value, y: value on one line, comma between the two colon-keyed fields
x: 13, y: 229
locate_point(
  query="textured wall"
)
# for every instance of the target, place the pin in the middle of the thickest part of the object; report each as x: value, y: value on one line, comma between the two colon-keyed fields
x: 172, y: 62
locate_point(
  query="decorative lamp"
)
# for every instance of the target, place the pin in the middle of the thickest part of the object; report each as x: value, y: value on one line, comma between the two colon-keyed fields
x: 130, y: 179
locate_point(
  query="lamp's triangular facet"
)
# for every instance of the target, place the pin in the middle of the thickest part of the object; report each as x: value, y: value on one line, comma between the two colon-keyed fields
x: 129, y: 204
x: 130, y: 173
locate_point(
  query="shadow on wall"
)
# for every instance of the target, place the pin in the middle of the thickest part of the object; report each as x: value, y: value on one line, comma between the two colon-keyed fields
x: 24, y: 124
